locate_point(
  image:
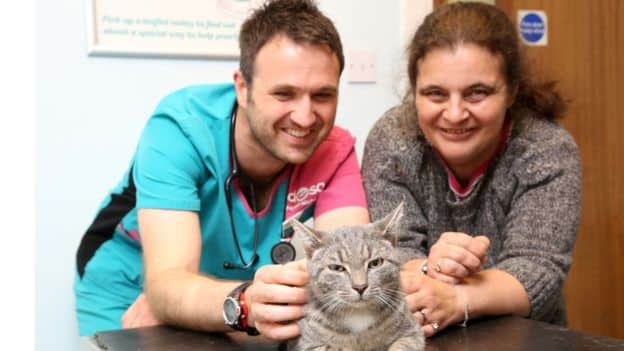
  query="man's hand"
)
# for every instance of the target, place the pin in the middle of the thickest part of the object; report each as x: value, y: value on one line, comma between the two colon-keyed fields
x: 276, y: 298
x: 455, y: 256
x: 139, y: 314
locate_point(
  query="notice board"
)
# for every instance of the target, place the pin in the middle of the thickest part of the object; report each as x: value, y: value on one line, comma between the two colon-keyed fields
x: 165, y: 28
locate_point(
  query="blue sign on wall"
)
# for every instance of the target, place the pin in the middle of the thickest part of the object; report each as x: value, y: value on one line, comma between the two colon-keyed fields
x: 533, y: 27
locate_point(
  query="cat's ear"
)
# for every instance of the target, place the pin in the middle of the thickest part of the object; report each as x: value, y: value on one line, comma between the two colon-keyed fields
x: 389, y: 226
x: 310, y: 238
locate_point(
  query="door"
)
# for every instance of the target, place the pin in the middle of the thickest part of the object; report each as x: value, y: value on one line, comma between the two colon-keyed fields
x: 585, y: 53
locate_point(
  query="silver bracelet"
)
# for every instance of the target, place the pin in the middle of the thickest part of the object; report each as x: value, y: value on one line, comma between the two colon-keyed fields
x: 466, y: 316
x: 466, y: 308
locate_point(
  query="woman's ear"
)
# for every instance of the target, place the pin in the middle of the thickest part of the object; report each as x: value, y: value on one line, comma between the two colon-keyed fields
x: 511, y: 96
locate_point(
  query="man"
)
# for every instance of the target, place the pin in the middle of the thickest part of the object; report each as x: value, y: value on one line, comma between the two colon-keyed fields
x: 218, y: 170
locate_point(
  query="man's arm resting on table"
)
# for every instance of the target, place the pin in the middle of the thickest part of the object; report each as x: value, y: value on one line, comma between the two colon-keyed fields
x: 177, y: 293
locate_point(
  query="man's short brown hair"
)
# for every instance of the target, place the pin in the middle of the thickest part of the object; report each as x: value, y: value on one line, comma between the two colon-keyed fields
x: 299, y: 20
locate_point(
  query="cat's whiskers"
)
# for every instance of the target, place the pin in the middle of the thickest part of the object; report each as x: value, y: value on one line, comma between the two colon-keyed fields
x: 393, y: 301
x: 329, y: 303
x: 387, y: 301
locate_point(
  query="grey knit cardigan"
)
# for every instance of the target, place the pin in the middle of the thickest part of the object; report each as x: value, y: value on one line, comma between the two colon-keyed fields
x: 527, y: 203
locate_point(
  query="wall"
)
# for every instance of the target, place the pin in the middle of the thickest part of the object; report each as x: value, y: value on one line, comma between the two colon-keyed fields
x: 89, y: 113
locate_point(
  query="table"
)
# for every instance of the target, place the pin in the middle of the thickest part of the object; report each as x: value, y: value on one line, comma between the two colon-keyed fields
x: 504, y: 333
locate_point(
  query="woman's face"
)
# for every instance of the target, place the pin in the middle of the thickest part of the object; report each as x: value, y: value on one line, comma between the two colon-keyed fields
x: 461, y: 98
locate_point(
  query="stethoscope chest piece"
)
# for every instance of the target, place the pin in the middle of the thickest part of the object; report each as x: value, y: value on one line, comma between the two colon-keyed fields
x: 283, y: 252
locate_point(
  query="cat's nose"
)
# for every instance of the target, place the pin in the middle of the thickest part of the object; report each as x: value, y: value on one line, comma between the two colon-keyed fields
x: 360, y: 288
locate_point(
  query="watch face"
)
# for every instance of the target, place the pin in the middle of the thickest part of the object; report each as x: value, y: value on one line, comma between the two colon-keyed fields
x: 231, y: 310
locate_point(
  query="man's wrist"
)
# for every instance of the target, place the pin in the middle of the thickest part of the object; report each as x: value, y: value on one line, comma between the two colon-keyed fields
x: 236, y: 310
x: 245, y: 315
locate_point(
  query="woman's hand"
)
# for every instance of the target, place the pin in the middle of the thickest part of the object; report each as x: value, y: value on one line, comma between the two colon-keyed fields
x: 455, y: 256
x: 435, y: 304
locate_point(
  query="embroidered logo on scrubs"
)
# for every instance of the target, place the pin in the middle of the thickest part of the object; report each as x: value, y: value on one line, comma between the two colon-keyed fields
x: 304, y: 196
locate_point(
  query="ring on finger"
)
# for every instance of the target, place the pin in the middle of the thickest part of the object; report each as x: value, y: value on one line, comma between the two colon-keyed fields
x: 437, y: 267
x: 424, y: 316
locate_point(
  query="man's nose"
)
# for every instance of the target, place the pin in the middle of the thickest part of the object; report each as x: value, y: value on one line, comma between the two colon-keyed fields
x: 303, y: 112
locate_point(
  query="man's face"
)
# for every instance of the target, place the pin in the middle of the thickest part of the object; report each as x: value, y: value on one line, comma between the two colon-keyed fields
x: 291, y: 105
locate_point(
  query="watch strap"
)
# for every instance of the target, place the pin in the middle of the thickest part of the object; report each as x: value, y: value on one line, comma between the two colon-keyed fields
x: 238, y: 294
x: 244, y: 314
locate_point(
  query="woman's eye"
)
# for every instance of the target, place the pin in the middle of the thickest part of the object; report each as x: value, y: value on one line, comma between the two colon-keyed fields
x: 477, y: 95
x: 375, y: 263
x: 336, y: 268
x: 434, y: 95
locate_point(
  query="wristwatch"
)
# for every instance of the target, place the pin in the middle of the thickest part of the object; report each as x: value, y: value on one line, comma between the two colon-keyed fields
x: 235, y: 310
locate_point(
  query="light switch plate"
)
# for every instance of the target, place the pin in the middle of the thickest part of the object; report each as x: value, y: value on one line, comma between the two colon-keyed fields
x: 362, y: 66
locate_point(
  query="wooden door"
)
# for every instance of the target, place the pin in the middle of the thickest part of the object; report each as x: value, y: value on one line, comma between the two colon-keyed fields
x: 585, y: 53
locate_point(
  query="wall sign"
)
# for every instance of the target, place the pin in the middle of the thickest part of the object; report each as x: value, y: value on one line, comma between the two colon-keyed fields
x: 533, y: 27
x: 183, y: 28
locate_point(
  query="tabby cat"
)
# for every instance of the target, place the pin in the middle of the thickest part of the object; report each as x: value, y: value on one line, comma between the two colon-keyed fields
x: 356, y: 301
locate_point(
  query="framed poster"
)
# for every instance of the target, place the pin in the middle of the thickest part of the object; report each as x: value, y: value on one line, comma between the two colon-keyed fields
x: 165, y: 28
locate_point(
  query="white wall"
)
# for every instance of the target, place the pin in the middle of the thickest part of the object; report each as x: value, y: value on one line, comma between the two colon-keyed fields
x: 89, y: 113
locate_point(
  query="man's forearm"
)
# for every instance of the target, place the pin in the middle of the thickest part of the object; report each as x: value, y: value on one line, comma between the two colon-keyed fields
x: 188, y: 299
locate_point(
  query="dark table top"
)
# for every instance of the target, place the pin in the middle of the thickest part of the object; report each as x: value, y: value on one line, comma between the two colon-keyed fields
x: 505, y: 333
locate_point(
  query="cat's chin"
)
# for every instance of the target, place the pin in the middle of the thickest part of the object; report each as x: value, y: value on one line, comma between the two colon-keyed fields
x: 359, y: 304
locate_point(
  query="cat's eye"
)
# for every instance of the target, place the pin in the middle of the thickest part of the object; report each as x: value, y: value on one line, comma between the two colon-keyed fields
x: 375, y: 263
x: 336, y: 268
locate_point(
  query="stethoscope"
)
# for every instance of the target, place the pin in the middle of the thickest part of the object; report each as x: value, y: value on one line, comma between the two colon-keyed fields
x: 283, y: 251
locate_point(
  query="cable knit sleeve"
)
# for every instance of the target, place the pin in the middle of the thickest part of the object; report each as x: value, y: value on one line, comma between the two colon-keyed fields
x: 544, y: 214
x: 390, y: 157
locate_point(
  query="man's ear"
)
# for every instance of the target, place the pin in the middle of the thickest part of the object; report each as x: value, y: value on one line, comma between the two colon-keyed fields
x: 241, y: 87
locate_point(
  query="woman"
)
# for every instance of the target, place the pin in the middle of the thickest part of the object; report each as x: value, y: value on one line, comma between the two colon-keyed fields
x: 475, y: 153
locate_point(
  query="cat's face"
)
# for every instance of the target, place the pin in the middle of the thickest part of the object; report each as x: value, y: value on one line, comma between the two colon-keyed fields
x: 353, y: 267
x: 353, y: 270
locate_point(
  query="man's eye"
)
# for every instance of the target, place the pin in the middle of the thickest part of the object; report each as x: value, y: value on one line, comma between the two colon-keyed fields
x: 323, y: 96
x: 282, y: 94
